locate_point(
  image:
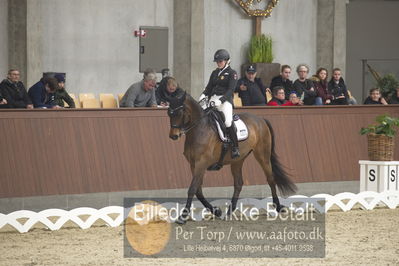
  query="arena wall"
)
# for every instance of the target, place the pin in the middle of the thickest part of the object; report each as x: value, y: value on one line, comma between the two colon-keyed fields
x: 47, y: 152
x: 372, y: 30
x: 93, y: 41
x: 3, y: 38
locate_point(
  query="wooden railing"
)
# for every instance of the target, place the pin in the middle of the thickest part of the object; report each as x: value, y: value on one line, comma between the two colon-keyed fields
x: 49, y: 152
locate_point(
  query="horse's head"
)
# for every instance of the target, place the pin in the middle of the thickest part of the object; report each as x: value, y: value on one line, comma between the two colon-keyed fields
x: 179, y: 118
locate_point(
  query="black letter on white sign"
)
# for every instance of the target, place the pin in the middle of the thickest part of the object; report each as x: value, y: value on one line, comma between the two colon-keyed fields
x: 372, y: 175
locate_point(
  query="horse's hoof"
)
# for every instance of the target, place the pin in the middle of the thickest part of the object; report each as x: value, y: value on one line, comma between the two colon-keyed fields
x: 181, y: 220
x: 281, y: 208
x: 217, y: 212
x: 229, y: 212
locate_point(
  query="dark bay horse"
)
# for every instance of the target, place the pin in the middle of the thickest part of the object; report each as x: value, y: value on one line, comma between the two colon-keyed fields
x: 202, y: 148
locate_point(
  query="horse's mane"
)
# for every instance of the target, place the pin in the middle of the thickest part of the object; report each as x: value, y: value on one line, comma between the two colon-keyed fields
x: 194, y: 104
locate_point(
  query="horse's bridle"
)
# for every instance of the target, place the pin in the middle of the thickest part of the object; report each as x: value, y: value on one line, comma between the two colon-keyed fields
x: 183, y: 127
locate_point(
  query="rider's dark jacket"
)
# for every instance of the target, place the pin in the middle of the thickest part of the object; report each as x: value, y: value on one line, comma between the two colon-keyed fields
x: 222, y: 83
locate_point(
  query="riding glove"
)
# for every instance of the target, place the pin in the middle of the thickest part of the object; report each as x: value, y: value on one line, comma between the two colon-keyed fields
x: 217, y: 102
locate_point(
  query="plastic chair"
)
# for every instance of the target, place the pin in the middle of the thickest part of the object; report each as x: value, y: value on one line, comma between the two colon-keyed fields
x: 268, y: 96
x: 90, y: 103
x: 83, y: 96
x: 77, y: 103
x: 237, y: 100
x: 107, y: 100
x: 120, y: 96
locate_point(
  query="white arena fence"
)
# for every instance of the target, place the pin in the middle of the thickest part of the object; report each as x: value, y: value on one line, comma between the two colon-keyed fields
x: 322, y: 203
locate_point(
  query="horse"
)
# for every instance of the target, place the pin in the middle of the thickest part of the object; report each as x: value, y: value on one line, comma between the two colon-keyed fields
x: 202, y: 148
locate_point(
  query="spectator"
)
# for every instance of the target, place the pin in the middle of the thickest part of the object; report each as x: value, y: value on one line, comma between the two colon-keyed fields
x: 283, y: 80
x: 61, y: 94
x: 43, y: 93
x: 395, y: 98
x: 304, y: 87
x: 375, y: 97
x: 165, y: 74
x: 142, y: 93
x: 337, y: 89
x: 168, y: 87
x: 251, y: 89
x: 3, y: 102
x: 14, y: 92
x: 279, y: 98
x: 321, y: 85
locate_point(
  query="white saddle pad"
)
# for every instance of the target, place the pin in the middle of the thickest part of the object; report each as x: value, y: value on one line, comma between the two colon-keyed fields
x: 242, y: 130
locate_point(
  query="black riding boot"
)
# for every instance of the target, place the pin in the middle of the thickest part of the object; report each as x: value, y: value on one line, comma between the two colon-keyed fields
x: 234, y: 142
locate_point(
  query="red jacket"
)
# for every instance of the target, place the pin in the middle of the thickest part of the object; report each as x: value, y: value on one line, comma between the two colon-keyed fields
x: 275, y: 102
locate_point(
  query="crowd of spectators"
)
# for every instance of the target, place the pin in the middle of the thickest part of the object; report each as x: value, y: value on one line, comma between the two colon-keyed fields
x: 316, y: 90
x: 50, y: 92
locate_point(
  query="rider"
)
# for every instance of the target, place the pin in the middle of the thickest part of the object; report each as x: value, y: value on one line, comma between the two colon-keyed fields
x: 220, y: 90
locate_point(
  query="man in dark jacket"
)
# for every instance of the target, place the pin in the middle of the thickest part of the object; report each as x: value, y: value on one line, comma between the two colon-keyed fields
x: 14, y: 92
x: 167, y: 88
x: 251, y: 89
x: 337, y: 89
x: 61, y: 94
x: 43, y: 93
x: 283, y: 80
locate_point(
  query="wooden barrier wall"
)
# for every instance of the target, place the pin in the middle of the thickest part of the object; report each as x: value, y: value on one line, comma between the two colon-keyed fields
x: 48, y: 152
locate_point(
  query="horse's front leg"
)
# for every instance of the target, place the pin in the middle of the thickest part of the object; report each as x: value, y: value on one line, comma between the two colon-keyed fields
x: 214, y: 210
x: 196, y: 182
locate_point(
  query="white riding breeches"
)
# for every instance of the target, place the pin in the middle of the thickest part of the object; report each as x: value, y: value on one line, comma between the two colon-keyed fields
x: 226, y: 108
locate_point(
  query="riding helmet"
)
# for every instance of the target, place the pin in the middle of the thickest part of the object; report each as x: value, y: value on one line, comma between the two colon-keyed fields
x: 221, y: 54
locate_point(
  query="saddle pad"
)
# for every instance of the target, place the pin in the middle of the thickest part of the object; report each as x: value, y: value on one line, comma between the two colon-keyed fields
x: 242, y: 130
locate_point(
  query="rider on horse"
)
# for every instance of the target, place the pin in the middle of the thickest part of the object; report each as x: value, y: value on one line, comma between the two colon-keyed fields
x: 220, y: 91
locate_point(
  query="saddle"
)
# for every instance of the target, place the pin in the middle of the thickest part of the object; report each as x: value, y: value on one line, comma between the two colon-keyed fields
x: 219, y: 126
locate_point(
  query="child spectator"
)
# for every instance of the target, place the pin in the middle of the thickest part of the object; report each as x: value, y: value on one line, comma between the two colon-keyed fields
x: 279, y: 98
x: 61, y: 94
x: 375, y: 97
x: 337, y: 88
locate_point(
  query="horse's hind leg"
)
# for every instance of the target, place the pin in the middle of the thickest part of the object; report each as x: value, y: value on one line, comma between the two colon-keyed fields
x: 262, y: 155
x: 236, y: 170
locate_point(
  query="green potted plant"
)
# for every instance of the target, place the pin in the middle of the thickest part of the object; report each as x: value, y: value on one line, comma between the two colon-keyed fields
x: 260, y: 54
x: 380, y: 138
x: 261, y: 49
x: 388, y: 85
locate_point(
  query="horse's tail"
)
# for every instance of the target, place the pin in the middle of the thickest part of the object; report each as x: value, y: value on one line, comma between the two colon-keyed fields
x: 281, y: 177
